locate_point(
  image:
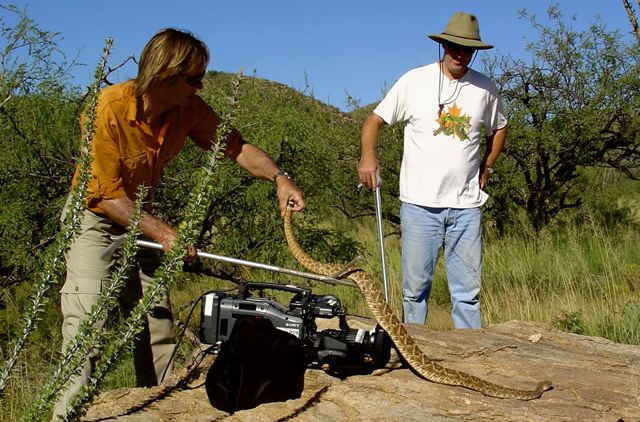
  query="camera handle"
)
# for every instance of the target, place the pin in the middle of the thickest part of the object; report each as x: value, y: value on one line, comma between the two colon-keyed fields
x: 246, y: 286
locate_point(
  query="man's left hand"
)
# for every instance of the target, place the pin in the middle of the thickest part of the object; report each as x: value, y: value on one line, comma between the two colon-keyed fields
x: 485, y: 174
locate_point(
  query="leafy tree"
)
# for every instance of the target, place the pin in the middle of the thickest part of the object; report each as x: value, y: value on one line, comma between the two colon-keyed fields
x: 35, y: 171
x: 573, y: 105
x: 38, y: 129
x: 30, y: 61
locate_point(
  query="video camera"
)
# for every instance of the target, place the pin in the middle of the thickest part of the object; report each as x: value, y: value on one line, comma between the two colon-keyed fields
x: 338, y: 349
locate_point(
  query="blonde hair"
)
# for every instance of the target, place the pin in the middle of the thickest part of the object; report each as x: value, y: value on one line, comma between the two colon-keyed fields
x: 171, y: 52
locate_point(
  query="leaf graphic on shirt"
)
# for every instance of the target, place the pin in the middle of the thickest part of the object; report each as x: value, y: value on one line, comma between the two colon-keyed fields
x: 452, y: 122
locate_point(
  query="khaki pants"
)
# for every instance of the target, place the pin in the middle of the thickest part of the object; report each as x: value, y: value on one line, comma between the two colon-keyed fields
x: 88, y: 272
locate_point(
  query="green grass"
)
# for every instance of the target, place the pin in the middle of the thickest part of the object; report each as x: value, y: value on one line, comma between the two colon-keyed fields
x: 584, y: 281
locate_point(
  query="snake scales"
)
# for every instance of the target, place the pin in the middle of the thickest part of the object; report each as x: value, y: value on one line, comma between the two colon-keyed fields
x: 404, y: 344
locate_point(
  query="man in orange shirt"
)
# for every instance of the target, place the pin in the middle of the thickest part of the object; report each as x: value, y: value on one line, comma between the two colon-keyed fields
x: 140, y: 126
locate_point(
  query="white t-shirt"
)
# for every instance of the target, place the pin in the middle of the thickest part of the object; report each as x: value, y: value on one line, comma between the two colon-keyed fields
x: 441, y: 159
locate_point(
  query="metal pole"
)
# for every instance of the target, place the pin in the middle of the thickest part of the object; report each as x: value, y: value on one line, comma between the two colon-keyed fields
x: 381, y: 238
x: 312, y: 276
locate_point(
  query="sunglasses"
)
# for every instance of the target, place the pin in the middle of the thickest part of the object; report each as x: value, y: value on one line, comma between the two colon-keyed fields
x: 460, y: 48
x: 194, y: 80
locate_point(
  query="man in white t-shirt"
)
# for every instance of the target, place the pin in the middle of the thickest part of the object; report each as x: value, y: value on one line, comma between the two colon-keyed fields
x: 445, y: 106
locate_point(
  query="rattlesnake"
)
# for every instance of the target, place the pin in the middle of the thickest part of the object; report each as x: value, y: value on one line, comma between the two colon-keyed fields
x: 404, y: 344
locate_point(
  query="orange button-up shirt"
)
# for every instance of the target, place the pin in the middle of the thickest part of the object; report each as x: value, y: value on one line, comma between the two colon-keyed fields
x: 126, y: 152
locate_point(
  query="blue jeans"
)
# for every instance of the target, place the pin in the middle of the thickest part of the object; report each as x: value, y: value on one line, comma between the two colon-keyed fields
x: 424, y: 231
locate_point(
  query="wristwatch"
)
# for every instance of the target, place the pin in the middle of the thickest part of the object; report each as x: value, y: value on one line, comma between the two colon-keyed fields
x: 281, y: 173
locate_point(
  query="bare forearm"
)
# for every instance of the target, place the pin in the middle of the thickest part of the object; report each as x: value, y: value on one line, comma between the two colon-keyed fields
x: 257, y: 162
x: 369, y: 136
x: 492, y: 152
x: 495, y: 144
x: 120, y: 211
x: 368, y: 165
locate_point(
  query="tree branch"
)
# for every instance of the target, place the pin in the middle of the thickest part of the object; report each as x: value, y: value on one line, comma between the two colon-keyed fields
x: 632, y: 17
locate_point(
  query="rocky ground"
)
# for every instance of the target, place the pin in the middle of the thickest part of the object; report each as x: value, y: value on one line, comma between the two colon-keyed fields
x: 594, y: 380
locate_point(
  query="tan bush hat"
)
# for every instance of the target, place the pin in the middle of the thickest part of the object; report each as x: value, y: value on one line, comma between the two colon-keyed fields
x: 462, y: 29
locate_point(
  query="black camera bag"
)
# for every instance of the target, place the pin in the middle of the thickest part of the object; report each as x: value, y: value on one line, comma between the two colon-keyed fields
x: 257, y: 364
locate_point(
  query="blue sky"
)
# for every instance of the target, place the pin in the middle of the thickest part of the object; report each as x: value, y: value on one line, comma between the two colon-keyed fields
x: 328, y: 48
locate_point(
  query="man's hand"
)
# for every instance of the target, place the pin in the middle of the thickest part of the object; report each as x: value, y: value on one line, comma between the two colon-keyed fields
x: 258, y: 163
x: 485, y: 174
x: 368, y: 171
x: 289, y: 193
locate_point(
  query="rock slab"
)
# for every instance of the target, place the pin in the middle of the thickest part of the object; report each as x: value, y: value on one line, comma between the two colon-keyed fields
x: 594, y: 380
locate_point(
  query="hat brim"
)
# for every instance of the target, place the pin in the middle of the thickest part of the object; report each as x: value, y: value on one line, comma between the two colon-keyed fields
x: 466, y: 42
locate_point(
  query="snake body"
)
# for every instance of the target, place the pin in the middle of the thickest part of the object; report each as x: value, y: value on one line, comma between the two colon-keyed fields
x: 403, y: 342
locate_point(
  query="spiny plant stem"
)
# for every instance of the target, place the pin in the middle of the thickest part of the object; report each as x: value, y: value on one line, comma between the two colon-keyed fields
x: 167, y: 274
x: 88, y: 337
x: 54, y: 257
